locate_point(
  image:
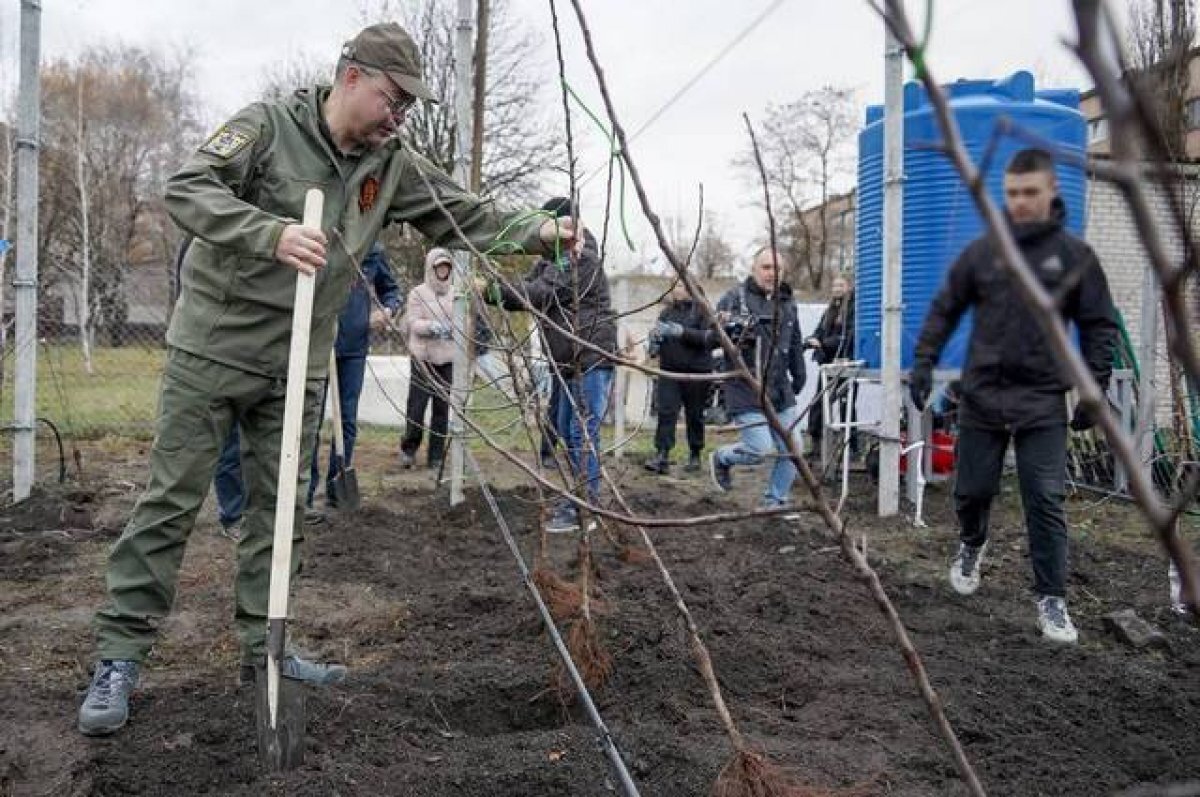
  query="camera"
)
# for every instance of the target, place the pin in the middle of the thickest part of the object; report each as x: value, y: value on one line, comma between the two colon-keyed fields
x: 743, y: 328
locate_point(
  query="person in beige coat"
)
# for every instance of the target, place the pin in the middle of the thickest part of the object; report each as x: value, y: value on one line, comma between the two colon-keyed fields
x: 428, y: 329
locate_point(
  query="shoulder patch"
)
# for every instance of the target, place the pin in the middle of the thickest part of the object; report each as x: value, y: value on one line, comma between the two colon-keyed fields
x: 226, y: 142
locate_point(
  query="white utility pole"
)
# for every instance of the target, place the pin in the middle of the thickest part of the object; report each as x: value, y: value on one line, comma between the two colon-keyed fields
x: 893, y: 249
x: 464, y: 359
x: 1147, y: 395
x: 25, y: 279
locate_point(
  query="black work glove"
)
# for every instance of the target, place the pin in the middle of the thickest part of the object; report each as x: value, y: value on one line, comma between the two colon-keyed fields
x: 920, y: 385
x: 1082, y: 420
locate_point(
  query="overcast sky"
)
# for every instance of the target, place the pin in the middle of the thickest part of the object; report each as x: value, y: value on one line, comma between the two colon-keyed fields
x: 649, y: 49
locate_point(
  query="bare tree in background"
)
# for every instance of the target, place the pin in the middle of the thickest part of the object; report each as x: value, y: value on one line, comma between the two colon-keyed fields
x: 1159, y: 40
x: 807, y: 147
x: 521, y: 142
x: 299, y: 71
x: 714, y: 257
x: 116, y: 123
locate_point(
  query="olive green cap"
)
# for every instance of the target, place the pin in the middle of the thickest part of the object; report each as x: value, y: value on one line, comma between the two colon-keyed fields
x: 389, y: 48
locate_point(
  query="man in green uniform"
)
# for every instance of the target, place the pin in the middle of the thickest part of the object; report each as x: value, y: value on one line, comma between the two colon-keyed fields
x: 240, y: 196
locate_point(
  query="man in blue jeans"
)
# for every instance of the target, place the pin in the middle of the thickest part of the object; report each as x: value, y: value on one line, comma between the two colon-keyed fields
x: 760, y: 317
x: 571, y: 291
x: 355, y: 324
x: 227, y: 484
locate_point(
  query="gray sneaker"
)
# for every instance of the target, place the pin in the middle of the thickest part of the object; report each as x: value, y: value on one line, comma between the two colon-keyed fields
x: 297, y: 669
x: 105, y: 710
x: 964, y: 570
x: 1054, y: 621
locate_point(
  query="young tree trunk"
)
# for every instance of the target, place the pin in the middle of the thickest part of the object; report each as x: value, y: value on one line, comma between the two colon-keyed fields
x: 83, y: 306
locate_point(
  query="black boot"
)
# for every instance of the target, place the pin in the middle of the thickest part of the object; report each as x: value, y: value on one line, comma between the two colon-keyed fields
x: 693, y: 463
x: 659, y: 463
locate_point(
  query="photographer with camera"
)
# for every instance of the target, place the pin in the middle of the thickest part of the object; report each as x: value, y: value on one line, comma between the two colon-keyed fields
x: 760, y: 317
x: 683, y: 342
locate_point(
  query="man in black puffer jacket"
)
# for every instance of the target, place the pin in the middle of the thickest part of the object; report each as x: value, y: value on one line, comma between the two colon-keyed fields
x: 760, y: 316
x: 571, y: 291
x: 685, y: 343
x: 1012, y: 385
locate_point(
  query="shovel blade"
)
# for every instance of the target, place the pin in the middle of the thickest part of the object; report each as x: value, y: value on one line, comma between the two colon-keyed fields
x: 280, y: 748
x: 345, y: 490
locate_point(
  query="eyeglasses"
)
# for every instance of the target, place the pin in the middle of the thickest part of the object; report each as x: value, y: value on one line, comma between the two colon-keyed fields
x: 397, y: 107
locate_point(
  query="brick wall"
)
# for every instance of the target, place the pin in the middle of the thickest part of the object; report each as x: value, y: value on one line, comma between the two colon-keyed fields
x: 1111, y: 232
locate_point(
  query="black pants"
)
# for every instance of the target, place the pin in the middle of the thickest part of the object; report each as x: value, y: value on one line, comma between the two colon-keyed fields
x: 422, y: 391
x: 670, y: 395
x: 1041, y: 471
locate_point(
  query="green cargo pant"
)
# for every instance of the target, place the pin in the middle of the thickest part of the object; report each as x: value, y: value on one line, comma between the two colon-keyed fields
x: 200, y: 402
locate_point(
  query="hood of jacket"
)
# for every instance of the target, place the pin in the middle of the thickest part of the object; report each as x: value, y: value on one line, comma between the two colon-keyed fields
x: 438, y: 286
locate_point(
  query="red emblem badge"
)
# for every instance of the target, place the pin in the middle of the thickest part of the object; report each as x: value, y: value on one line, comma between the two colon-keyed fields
x: 368, y: 194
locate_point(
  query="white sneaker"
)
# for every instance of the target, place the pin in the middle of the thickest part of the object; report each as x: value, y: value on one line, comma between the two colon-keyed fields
x: 1054, y: 620
x: 1177, y: 604
x: 964, y: 570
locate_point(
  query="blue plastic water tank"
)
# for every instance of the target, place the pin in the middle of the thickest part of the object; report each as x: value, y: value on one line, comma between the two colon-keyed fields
x: 939, y: 215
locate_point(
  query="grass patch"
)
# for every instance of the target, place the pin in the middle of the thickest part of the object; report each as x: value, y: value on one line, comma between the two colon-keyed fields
x: 119, y: 397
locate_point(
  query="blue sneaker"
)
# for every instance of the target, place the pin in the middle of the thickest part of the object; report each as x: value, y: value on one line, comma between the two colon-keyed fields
x: 295, y: 668
x: 105, y: 710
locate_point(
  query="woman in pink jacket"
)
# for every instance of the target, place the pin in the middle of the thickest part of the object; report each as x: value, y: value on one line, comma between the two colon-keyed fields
x: 428, y: 329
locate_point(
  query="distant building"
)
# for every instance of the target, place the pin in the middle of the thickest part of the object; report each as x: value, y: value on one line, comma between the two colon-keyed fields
x: 836, y: 233
x: 1098, y: 132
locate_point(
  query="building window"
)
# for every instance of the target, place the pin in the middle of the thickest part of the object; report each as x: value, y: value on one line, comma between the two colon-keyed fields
x: 1098, y: 130
x: 1193, y: 113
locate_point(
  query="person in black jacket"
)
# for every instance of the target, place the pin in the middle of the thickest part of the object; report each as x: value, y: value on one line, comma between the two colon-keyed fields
x: 684, y: 342
x: 760, y: 316
x: 572, y: 292
x: 833, y: 339
x: 1012, y: 386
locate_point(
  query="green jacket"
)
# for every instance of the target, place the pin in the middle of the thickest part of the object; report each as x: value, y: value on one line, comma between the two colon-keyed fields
x: 243, y: 186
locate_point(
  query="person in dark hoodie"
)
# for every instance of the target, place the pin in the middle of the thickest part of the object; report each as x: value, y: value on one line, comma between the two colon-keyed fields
x: 833, y: 339
x: 571, y: 291
x: 760, y: 316
x: 684, y: 341
x: 1012, y: 386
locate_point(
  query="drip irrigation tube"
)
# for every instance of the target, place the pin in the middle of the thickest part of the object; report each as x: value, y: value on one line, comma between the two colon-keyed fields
x: 606, y: 739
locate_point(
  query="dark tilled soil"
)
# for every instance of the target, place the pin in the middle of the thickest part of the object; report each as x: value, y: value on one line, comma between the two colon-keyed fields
x: 451, y: 670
